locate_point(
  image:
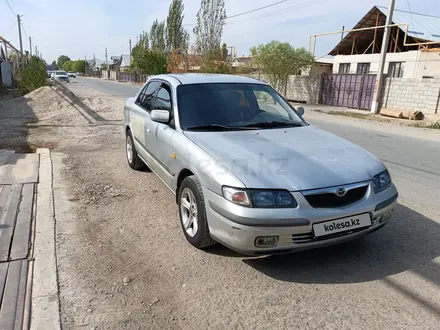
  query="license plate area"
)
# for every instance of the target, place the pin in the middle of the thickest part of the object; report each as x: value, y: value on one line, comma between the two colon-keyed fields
x: 342, y: 225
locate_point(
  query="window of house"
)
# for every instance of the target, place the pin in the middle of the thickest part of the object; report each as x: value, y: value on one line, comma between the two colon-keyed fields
x: 363, y: 68
x: 395, y: 69
x: 344, y: 67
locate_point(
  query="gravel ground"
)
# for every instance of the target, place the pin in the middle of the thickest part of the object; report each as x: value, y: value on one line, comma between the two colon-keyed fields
x: 123, y: 262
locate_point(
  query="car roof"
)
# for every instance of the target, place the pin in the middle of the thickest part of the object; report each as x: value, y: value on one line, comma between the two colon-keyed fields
x: 207, y: 78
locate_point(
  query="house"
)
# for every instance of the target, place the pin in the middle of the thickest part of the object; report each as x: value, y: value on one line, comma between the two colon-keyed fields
x: 407, y: 56
x: 321, y: 65
x: 95, y: 64
x: 120, y: 62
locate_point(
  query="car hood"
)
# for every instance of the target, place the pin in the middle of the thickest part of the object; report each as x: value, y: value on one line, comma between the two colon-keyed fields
x: 297, y: 158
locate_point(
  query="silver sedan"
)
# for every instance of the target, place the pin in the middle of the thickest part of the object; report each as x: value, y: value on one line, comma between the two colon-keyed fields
x: 248, y: 171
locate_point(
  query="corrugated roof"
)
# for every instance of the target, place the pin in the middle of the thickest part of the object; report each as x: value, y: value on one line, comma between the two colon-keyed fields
x: 419, y: 26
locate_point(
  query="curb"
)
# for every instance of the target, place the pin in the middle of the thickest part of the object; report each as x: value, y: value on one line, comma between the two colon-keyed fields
x: 45, y: 295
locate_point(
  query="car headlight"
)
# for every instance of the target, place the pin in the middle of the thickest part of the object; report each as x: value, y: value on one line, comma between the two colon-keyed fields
x: 260, y: 198
x: 381, y: 181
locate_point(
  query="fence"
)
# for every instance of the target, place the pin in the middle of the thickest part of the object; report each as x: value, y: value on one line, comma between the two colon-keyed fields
x: 412, y: 94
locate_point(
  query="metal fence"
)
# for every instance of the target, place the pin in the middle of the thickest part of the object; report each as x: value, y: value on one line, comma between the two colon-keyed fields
x: 133, y: 77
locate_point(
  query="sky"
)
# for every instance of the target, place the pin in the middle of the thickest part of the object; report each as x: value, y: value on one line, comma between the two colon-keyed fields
x: 83, y: 28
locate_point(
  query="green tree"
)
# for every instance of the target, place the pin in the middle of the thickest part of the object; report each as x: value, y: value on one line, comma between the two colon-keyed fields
x: 209, y: 28
x: 32, y: 76
x: 157, y: 37
x: 61, y: 60
x: 67, y: 66
x: 278, y: 60
x: 177, y: 38
x: 54, y: 66
x: 145, y: 60
x: 79, y: 66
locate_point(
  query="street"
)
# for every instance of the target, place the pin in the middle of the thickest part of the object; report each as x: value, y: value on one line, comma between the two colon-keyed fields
x: 123, y: 261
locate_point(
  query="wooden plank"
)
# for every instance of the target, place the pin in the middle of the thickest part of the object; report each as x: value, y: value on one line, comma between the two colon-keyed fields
x: 21, y: 237
x: 9, y: 223
x: 15, y: 279
x: 19, y: 312
x: 20, y: 168
x: 3, y: 272
x: 5, y: 192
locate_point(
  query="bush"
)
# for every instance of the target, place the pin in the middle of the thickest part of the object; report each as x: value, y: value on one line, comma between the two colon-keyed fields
x: 32, y: 76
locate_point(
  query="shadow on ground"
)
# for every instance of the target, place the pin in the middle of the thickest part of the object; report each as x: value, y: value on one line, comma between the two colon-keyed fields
x: 409, y: 242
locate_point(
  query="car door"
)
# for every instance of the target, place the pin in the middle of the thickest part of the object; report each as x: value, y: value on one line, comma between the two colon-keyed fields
x: 163, y: 133
x: 141, y: 122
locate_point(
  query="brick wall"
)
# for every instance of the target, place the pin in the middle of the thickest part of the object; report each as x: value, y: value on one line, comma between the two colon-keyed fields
x: 304, y: 89
x: 412, y: 94
x: 299, y: 88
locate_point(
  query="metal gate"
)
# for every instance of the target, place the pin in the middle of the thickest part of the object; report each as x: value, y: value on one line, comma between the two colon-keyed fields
x: 348, y: 90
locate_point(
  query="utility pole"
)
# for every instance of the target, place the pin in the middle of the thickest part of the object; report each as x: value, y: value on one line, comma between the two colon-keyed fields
x: 106, y: 59
x: 30, y: 45
x: 383, y: 55
x: 36, y: 50
x: 19, y: 34
x: 129, y: 42
x: 6, y: 50
x: 342, y: 34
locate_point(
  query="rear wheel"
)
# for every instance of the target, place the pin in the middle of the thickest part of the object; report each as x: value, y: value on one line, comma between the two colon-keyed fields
x: 193, y: 213
x: 132, y: 157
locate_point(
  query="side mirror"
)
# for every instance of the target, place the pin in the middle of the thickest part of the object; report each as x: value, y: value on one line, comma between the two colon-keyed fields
x: 160, y: 116
x: 300, y: 111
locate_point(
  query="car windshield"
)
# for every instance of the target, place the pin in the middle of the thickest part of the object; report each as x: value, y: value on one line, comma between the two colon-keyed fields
x: 61, y: 73
x: 233, y: 106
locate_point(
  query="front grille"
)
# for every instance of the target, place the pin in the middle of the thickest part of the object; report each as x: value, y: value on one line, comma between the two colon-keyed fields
x: 331, y: 200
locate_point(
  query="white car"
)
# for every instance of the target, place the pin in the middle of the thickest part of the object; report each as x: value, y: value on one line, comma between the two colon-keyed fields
x: 60, y: 76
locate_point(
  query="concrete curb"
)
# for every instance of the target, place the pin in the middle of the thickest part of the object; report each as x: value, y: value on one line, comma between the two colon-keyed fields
x: 45, y: 294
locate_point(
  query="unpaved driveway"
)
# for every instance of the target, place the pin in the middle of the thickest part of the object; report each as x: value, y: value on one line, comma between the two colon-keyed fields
x: 115, y: 225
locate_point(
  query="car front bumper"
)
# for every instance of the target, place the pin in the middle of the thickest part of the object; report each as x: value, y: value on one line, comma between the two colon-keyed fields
x: 237, y: 227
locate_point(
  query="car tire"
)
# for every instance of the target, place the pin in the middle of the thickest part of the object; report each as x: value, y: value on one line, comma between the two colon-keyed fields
x: 195, y: 227
x: 131, y: 154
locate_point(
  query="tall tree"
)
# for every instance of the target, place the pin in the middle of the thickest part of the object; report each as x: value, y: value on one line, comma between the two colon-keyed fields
x: 209, y: 28
x: 157, y: 37
x: 278, y: 60
x: 177, y: 38
x: 62, y: 59
x: 144, y: 60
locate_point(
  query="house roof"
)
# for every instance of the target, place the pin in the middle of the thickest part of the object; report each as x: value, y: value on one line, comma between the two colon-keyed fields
x: 125, y: 61
x: 420, y: 28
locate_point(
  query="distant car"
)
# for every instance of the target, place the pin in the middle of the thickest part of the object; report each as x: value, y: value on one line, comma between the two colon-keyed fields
x: 72, y: 74
x: 248, y: 170
x: 49, y: 74
x: 60, y: 76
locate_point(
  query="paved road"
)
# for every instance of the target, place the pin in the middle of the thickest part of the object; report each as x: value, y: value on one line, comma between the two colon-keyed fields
x: 109, y: 87
x: 390, y: 280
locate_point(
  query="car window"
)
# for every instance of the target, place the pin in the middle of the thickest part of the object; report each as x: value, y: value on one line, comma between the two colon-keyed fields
x: 234, y: 106
x: 268, y: 103
x: 147, y: 94
x: 163, y: 99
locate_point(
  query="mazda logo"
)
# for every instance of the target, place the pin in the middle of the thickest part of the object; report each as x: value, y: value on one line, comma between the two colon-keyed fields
x: 341, y: 192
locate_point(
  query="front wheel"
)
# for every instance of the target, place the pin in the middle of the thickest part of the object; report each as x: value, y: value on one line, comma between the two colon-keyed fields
x: 193, y: 213
x: 132, y: 157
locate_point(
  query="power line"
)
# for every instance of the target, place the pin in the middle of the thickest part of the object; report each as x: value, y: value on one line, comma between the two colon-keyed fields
x: 298, y: 6
x: 10, y: 27
x: 24, y: 30
x: 10, y: 7
x: 249, y: 11
x: 301, y: 5
x: 410, y: 12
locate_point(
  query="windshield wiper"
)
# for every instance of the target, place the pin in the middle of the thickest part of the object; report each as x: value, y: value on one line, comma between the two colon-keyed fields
x: 275, y: 124
x: 216, y: 127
